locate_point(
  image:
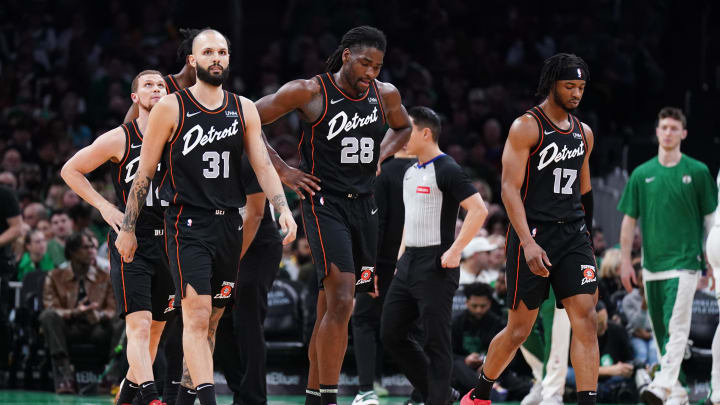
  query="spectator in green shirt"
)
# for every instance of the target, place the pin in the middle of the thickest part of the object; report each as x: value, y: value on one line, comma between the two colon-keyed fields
x: 672, y: 195
x: 35, y: 256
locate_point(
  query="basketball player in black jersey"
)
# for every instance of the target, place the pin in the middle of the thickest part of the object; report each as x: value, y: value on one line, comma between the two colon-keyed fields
x: 184, y: 78
x: 344, y: 113
x: 143, y: 289
x: 202, y: 132
x: 547, y: 193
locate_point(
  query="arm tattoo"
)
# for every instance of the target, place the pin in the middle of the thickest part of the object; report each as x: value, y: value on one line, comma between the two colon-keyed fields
x: 278, y: 201
x: 135, y: 202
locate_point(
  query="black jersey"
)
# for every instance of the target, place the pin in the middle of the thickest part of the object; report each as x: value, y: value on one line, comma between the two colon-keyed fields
x: 204, y: 155
x: 171, y: 84
x: 551, y: 189
x: 391, y: 210
x: 123, y: 173
x: 342, y: 147
x: 267, y: 230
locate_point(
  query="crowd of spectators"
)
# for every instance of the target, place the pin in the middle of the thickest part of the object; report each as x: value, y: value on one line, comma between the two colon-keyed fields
x: 66, y: 68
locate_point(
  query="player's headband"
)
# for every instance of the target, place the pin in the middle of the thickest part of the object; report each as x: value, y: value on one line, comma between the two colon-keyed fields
x: 573, y: 73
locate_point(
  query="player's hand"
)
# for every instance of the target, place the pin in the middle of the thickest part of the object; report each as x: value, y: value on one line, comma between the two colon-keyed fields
x: 451, y: 258
x: 112, y: 216
x: 299, y: 181
x: 287, y: 226
x: 536, y: 259
x: 627, y: 275
x: 375, y: 292
x: 623, y: 369
x: 126, y: 244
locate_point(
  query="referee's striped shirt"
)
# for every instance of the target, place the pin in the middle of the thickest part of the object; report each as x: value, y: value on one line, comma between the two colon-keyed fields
x: 432, y: 192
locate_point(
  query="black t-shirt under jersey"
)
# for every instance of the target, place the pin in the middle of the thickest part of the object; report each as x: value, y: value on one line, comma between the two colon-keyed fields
x: 268, y: 230
x: 391, y: 210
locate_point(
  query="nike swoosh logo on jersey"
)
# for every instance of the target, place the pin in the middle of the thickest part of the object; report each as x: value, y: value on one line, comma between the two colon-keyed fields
x: 373, y: 211
x: 582, y: 228
x: 649, y: 179
x: 190, y: 115
x: 336, y: 101
x: 135, y: 146
x: 548, y: 132
x: 146, y: 385
x: 241, y: 227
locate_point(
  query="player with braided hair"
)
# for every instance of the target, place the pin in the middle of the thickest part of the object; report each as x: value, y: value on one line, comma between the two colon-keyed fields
x: 546, y: 191
x: 345, y: 113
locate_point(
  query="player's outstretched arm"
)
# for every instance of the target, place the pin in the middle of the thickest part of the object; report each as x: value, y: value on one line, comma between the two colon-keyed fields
x: 397, y: 119
x: 522, y: 137
x: 108, y: 146
x: 266, y: 174
x: 161, y: 124
x: 292, y: 96
x: 474, y: 220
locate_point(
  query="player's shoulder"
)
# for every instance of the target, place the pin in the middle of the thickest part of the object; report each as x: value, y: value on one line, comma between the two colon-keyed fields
x: 168, y: 102
x: 386, y: 88
x: 695, y: 164
x: 524, y: 130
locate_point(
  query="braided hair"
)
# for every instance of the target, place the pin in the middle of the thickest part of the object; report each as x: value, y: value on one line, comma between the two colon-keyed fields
x: 553, y: 66
x: 188, y: 37
x: 185, y: 47
x: 363, y: 35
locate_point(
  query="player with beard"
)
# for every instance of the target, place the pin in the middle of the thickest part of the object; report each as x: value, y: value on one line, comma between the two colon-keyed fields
x: 547, y: 194
x: 345, y: 112
x: 180, y: 80
x: 202, y: 131
x: 143, y: 289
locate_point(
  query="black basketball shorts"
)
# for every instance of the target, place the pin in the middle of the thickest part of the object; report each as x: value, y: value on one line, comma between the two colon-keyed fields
x: 204, y: 250
x: 573, y: 269
x: 342, y: 230
x: 145, y: 283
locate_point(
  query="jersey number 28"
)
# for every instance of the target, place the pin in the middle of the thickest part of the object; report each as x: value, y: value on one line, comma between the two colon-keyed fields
x: 351, y: 146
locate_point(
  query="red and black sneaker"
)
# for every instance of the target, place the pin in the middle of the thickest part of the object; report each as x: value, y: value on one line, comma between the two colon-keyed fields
x: 469, y: 400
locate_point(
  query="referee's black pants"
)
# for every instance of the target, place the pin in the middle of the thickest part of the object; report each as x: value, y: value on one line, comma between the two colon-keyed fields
x: 245, y: 369
x: 366, y: 328
x: 422, y: 289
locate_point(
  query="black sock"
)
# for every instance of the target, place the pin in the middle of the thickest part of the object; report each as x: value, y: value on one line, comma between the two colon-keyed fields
x: 365, y: 388
x: 170, y: 392
x: 312, y: 397
x: 206, y: 394
x: 148, y: 392
x: 587, y: 397
x: 128, y: 390
x: 483, y: 387
x: 328, y: 394
x: 185, y: 396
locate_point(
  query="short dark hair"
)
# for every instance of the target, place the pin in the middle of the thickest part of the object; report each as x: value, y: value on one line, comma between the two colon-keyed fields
x: 363, y: 35
x: 478, y: 290
x: 74, y: 243
x: 134, y: 85
x: 59, y: 212
x: 424, y: 117
x: 553, y: 66
x: 674, y: 113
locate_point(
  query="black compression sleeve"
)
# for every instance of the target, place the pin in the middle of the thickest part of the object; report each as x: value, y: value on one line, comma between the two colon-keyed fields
x: 587, y: 202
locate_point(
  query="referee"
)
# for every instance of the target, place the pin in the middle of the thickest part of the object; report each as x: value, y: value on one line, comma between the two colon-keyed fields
x: 428, y: 271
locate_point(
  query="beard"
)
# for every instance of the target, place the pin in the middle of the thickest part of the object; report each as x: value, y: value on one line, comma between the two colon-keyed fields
x: 204, y: 75
x: 559, y: 101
